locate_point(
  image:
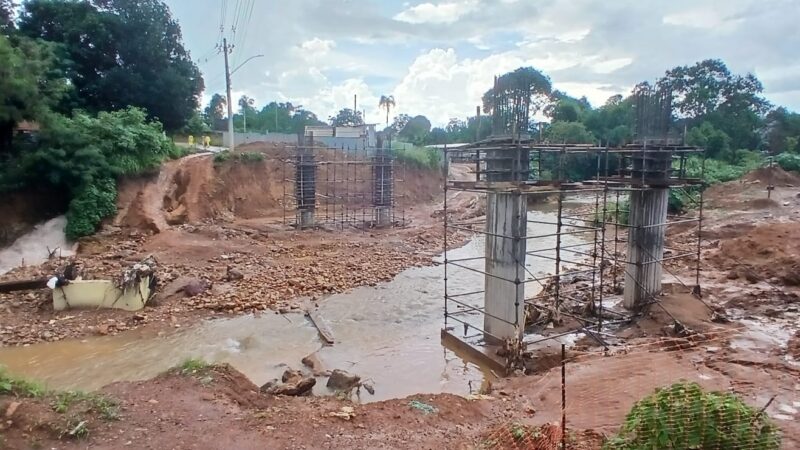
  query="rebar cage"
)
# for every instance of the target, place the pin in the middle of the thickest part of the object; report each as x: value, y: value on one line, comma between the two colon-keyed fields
x: 342, y: 187
x: 583, y: 246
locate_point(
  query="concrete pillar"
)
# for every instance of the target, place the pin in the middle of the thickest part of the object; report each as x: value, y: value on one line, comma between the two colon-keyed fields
x: 506, y: 220
x: 647, y: 220
x: 383, y: 216
x: 306, y: 183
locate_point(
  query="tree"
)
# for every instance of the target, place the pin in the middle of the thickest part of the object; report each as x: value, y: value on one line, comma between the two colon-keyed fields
x: 569, y: 133
x: 83, y: 155
x: 120, y: 53
x: 246, y: 103
x: 563, y: 108
x: 781, y: 131
x: 215, y: 112
x: 7, y: 14
x: 387, y: 103
x: 716, y: 143
x: 416, y: 130
x: 30, y: 84
x: 347, y: 118
x: 522, y: 93
x: 709, y: 92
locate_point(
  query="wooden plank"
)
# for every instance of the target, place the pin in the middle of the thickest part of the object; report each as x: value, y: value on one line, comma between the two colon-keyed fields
x: 324, y: 331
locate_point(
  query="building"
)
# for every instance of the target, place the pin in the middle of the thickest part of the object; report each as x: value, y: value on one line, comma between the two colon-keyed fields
x: 354, y: 138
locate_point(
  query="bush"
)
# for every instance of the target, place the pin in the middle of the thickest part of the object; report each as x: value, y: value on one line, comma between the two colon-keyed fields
x: 90, y: 206
x: 84, y: 155
x: 423, y: 158
x: 683, y: 416
x: 789, y: 161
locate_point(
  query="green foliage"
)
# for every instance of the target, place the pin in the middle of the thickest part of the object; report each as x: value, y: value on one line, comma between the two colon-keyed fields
x: 83, y: 155
x: 196, y: 126
x: 524, y: 87
x: 193, y: 366
x: 120, y: 53
x: 789, y: 161
x: 29, y: 83
x: 569, y: 133
x: 716, y: 142
x: 615, y: 213
x: 415, y: 131
x: 106, y: 407
x: 19, y: 387
x: 90, y: 206
x: 423, y: 158
x: 683, y: 416
x: 347, y: 118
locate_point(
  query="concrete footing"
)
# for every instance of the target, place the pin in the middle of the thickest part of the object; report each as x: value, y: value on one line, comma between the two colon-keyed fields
x: 383, y: 216
x: 647, y: 220
x: 506, y: 220
x: 306, y: 219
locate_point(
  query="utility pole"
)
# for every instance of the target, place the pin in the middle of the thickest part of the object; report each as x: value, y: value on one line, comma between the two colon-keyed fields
x: 230, y: 100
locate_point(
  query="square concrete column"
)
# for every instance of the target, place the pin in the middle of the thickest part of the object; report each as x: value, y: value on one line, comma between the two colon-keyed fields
x: 506, y: 221
x: 646, y: 235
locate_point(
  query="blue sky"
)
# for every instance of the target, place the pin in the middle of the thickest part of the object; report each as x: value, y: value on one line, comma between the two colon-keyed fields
x: 438, y: 57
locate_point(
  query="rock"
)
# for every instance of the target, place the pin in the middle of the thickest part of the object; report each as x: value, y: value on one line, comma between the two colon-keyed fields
x: 341, y: 380
x: 733, y: 274
x: 233, y: 274
x: 295, y: 383
x: 266, y: 387
x: 312, y: 362
x: 195, y: 287
x: 12, y: 408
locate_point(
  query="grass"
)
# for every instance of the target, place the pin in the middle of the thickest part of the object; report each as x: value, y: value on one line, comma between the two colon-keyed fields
x: 19, y: 387
x: 106, y: 407
x: 193, y: 366
x: 423, y: 158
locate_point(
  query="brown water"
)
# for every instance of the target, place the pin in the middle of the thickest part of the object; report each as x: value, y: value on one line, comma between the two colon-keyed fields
x: 388, y: 334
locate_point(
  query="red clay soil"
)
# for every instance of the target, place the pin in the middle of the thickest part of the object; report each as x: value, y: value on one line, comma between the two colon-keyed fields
x: 750, y: 192
x: 769, y: 251
x: 218, y: 408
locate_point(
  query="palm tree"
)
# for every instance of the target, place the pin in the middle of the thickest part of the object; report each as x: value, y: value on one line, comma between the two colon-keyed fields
x: 386, y: 103
x: 245, y: 102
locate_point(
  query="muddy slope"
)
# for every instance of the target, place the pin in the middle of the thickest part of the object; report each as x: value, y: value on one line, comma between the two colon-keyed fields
x: 195, y: 189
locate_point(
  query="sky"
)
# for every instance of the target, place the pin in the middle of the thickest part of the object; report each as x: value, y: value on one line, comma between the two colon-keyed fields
x: 438, y: 57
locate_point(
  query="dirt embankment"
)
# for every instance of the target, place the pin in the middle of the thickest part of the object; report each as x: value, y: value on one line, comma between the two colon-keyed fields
x: 195, y: 189
x: 750, y: 192
x: 767, y: 252
x: 218, y: 408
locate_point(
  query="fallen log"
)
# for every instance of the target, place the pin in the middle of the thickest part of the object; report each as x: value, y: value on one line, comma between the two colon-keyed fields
x: 22, y: 285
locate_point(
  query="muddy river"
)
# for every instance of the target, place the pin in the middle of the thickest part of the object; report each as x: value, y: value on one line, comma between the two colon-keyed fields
x: 387, y: 334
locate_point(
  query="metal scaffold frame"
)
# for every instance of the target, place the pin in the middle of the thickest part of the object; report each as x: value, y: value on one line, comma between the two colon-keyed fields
x: 344, y: 187
x: 597, y: 258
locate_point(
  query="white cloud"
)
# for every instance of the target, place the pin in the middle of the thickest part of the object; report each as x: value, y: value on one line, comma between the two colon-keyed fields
x: 318, y: 46
x: 446, y: 12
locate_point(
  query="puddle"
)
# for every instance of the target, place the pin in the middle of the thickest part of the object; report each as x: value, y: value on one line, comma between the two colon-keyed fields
x: 32, y: 248
x: 388, y: 334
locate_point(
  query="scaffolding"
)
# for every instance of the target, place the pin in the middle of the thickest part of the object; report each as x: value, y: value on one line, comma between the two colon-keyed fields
x: 341, y: 187
x: 583, y: 247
